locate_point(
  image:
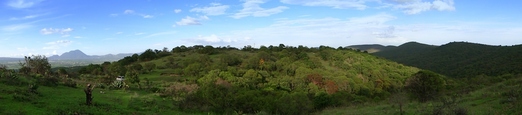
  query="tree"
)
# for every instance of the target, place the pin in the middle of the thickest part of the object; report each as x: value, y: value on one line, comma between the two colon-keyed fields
x: 252, y: 78
x: 37, y: 64
x: 148, y: 55
x: 62, y: 72
x: 136, y: 67
x: 117, y: 69
x: 3, y: 67
x: 134, y: 78
x: 425, y: 85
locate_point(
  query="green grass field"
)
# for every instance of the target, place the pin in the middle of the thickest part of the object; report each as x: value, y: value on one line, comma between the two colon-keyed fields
x: 67, y: 100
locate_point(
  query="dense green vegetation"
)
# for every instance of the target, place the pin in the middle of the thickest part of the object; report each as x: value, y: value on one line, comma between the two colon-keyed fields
x: 492, y: 98
x: 459, y: 59
x: 251, y: 80
x: 275, y: 79
x: 266, y: 80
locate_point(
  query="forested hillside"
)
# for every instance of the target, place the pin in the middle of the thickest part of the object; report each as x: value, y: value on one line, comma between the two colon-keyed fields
x: 275, y: 79
x: 459, y: 59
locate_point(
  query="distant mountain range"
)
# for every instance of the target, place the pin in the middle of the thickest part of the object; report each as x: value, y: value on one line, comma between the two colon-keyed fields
x: 78, y: 55
x: 372, y: 48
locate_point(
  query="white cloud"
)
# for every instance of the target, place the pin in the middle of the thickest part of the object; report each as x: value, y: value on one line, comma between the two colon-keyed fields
x: 188, y: 21
x: 386, y: 33
x: 57, y: 44
x: 147, y: 16
x: 213, y: 10
x: 215, y: 40
x: 408, y: 6
x: 161, y: 34
x: 132, y: 12
x: 113, y: 15
x: 177, y: 11
x: 377, y: 19
x: 16, y: 27
x: 418, y: 6
x: 141, y: 33
x: 315, y: 32
x: 191, y: 21
x: 128, y: 12
x: 363, y: 30
x: 443, y: 5
x: 47, y: 31
x: 21, y: 4
x: 119, y: 33
x: 340, y: 4
x: 252, y: 8
x: 64, y: 36
x: 25, y: 17
x: 24, y: 49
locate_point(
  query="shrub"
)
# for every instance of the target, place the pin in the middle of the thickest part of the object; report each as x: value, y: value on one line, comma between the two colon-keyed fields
x: 70, y: 83
x: 322, y: 101
x: 425, y: 85
x: 48, y: 81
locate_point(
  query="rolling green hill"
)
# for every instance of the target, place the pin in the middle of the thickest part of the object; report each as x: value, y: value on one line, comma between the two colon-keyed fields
x: 267, y: 80
x: 274, y: 80
x: 459, y: 59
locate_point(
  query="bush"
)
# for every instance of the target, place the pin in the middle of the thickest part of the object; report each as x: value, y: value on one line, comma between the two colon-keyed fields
x: 48, y: 81
x: 322, y: 101
x: 70, y: 83
x: 425, y: 85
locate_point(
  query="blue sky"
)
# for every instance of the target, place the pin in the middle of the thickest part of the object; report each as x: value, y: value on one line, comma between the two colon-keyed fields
x: 97, y: 27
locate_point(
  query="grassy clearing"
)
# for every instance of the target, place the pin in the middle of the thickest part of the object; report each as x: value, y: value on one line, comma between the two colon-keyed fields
x: 67, y: 100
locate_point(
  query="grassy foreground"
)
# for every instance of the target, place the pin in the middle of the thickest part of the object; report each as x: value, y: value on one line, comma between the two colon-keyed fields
x: 499, y: 98
x: 67, y: 100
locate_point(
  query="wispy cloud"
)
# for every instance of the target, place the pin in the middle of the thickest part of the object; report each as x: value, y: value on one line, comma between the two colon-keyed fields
x: 16, y: 27
x: 177, y: 11
x: 418, y: 6
x: 253, y: 8
x: 216, y: 40
x: 340, y: 4
x: 213, y: 10
x: 161, y: 34
x: 191, y: 21
x: 132, y: 12
x: 316, y: 31
x: 57, y: 44
x: 47, y: 31
x: 21, y: 4
x: 141, y: 33
x: 407, y: 6
x: 128, y: 12
x: 25, y: 17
